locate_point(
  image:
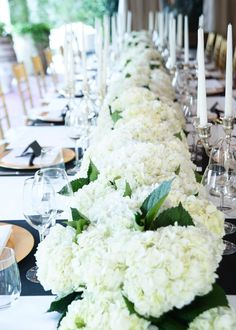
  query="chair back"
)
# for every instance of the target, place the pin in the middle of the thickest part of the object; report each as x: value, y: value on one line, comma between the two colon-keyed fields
x: 23, y: 85
x: 4, y: 114
x: 50, y: 64
x: 216, y: 51
x: 222, y: 55
x: 210, y: 44
x: 39, y: 74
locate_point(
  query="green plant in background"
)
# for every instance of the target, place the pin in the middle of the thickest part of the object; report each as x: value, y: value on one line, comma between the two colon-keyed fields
x: 38, y: 31
x: 2, y: 29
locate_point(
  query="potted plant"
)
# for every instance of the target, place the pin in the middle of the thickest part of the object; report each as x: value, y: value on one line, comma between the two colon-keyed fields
x: 31, y: 39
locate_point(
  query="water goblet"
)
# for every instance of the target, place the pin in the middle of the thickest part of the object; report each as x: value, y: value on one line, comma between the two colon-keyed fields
x: 39, y: 209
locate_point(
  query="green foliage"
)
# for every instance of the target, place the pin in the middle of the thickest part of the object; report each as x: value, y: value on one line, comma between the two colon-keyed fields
x: 179, y: 319
x: 92, y: 175
x: 178, y: 136
x: 61, y: 305
x: 19, y: 11
x: 128, y: 190
x: 79, y: 221
x: 38, y: 31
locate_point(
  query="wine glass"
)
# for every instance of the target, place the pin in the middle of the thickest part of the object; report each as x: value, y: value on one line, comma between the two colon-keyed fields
x: 76, y: 123
x: 219, y: 182
x: 39, y: 209
x: 10, y: 285
x: 59, y: 181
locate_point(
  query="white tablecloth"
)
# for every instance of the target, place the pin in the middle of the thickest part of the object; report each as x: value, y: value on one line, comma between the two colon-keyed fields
x: 29, y: 313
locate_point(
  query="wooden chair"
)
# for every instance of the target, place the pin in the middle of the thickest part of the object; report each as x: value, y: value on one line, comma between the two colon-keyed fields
x: 216, y: 51
x: 234, y: 62
x: 222, y: 55
x: 51, y: 66
x: 23, y: 85
x: 39, y: 74
x: 210, y: 44
x: 3, y: 115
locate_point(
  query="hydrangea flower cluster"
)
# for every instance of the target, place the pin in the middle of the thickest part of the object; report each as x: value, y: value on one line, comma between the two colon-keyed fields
x: 113, y: 259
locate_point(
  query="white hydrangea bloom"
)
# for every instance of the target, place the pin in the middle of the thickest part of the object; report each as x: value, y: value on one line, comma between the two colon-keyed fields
x: 169, y: 267
x: 220, y: 318
x: 53, y: 258
x: 106, y: 311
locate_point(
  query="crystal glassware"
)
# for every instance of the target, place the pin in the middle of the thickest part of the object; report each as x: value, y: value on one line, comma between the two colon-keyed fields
x: 10, y: 285
x: 219, y: 182
x: 39, y: 209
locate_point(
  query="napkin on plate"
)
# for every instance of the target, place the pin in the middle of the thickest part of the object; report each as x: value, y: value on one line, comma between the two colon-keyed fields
x: 5, y: 232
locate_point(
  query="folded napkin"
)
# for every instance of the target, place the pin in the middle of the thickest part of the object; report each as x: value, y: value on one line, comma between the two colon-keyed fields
x: 5, y: 232
x: 23, y: 156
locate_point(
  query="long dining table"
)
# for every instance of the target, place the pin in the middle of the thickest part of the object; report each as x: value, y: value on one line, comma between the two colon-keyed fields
x: 30, y: 311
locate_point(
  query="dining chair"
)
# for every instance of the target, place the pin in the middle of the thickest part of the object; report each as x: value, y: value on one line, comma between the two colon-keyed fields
x: 49, y: 59
x: 210, y: 44
x: 222, y: 55
x: 39, y: 75
x: 4, y: 115
x: 23, y: 85
x: 216, y: 51
x: 234, y: 62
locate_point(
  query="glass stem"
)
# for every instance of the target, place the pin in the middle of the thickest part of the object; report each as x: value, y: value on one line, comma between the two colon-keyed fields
x: 41, y: 235
x: 77, y: 151
x: 221, y: 201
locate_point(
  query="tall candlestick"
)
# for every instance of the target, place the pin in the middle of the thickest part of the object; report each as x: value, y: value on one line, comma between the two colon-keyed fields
x: 150, y: 21
x: 229, y: 74
x: 170, y: 32
x: 201, y: 21
x: 186, y: 40
x: 173, y: 42
x: 180, y: 31
x: 166, y: 25
x: 99, y: 72
x: 201, y: 91
x: 114, y: 32
x: 161, y: 28
x: 129, y: 21
x: 156, y: 21
x: 84, y: 60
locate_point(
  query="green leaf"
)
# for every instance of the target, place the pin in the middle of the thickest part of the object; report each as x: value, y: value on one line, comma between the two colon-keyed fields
x: 140, y: 220
x: 215, y: 298
x: 153, y: 202
x: 198, y: 177
x: 92, y: 175
x: 177, y: 170
x: 172, y: 215
x: 79, y: 221
x: 115, y: 116
x: 60, y: 305
x: 128, y: 75
x: 128, y: 190
x: 146, y: 86
x: 75, y: 185
x: 178, y: 135
x: 113, y: 182
x: 127, y: 62
x: 93, y: 172
x: 154, y: 66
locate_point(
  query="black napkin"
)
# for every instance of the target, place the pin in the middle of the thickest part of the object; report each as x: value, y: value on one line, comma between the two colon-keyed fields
x: 34, y: 152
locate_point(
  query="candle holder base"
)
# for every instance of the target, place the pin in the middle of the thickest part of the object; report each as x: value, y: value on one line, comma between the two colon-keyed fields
x: 204, y: 133
x: 228, y: 126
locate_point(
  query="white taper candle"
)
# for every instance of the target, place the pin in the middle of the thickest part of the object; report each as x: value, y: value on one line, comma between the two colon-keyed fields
x: 201, y: 90
x: 186, y: 40
x: 129, y: 21
x: 180, y: 31
x: 229, y: 74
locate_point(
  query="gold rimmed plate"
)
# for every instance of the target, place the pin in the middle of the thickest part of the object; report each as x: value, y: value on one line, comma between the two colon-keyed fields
x: 21, y: 240
x: 68, y: 155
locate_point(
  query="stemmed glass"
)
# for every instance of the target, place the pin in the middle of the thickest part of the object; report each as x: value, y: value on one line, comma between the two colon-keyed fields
x: 39, y: 209
x: 76, y: 123
x: 219, y: 183
x: 59, y: 180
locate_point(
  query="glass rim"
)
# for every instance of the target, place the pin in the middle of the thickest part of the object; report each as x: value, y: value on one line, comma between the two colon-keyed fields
x: 12, y: 254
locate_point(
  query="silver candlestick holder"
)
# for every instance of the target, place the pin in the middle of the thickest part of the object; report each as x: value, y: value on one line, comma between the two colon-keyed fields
x: 204, y: 133
x: 228, y: 126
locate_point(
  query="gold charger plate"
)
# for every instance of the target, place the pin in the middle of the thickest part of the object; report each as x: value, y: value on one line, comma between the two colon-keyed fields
x: 215, y: 91
x: 68, y: 155
x: 21, y: 240
x: 45, y: 116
